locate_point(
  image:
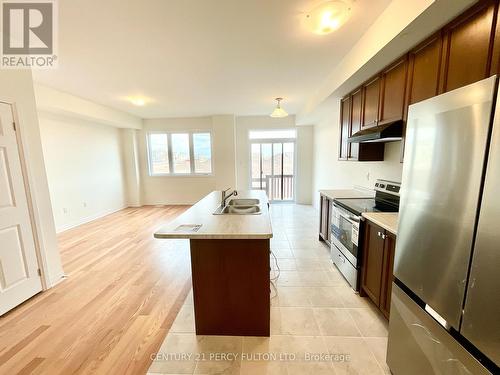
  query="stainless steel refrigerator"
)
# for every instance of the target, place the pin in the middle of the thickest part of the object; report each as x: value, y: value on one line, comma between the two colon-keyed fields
x: 445, y: 307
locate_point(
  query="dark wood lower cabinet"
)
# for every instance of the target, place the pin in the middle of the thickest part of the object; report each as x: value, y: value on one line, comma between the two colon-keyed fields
x: 373, y: 259
x: 377, y: 268
x: 324, y: 218
x: 387, y: 273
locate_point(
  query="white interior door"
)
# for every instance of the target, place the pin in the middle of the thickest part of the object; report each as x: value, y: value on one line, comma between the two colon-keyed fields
x: 19, y: 278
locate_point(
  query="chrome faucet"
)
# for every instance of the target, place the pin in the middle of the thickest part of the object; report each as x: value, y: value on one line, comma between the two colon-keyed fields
x: 225, y: 196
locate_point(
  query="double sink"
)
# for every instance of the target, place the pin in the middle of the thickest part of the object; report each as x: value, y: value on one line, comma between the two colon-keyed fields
x: 240, y: 206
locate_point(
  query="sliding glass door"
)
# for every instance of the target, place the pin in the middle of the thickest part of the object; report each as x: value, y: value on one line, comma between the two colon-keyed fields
x: 272, y: 168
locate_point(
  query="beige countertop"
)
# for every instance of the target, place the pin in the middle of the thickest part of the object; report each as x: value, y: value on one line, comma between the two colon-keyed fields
x: 347, y: 193
x: 387, y: 220
x: 221, y: 226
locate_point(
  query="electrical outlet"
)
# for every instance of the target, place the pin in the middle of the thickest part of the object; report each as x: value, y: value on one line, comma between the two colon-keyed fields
x: 65, y: 210
x: 84, y: 204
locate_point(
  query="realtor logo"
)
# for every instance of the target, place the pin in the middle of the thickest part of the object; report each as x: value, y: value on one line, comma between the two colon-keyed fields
x: 28, y: 34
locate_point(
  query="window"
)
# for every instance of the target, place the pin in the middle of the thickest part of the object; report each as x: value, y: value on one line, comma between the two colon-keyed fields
x: 272, y: 134
x: 158, y: 151
x: 202, y: 153
x: 180, y: 153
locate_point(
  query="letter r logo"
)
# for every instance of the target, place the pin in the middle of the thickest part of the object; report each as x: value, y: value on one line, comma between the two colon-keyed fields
x: 27, y: 28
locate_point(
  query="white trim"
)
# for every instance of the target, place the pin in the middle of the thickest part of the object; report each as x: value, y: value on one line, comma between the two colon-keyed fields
x: 88, y: 219
x: 35, y: 219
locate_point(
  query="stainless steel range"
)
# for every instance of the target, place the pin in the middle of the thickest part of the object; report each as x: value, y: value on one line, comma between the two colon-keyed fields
x: 346, y: 223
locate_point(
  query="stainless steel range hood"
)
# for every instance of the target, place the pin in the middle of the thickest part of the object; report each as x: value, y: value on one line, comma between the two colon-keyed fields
x: 388, y: 132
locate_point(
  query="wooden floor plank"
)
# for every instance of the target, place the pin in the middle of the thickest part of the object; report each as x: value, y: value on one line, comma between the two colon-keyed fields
x: 123, y: 291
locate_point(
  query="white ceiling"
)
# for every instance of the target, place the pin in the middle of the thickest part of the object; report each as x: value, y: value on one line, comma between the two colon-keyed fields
x: 198, y: 57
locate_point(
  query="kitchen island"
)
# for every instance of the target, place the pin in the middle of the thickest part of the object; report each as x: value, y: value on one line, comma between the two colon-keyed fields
x: 229, y: 265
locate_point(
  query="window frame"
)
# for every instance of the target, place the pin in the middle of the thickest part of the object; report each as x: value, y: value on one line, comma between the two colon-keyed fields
x: 192, y: 172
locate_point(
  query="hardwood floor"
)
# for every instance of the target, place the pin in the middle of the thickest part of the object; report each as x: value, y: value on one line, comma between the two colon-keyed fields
x: 123, y: 291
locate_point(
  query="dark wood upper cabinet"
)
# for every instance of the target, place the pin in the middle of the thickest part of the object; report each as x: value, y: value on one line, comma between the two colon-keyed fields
x: 464, y: 51
x: 351, y: 108
x: 392, y: 98
x: 356, y: 112
x: 468, y: 45
x: 423, y: 73
x: 371, y: 99
x: 345, y: 124
x: 373, y: 259
x: 495, y: 54
x: 387, y: 273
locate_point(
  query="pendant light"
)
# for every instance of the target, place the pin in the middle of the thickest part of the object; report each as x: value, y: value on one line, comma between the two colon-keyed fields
x: 278, y: 111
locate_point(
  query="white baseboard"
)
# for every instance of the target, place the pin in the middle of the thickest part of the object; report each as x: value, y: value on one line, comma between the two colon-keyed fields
x: 87, y: 219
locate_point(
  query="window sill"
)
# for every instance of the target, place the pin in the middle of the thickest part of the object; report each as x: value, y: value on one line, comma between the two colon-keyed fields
x: 190, y: 175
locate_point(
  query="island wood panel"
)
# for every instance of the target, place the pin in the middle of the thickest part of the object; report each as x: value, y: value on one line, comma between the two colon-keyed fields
x: 231, y: 286
x: 123, y: 292
x: 468, y: 47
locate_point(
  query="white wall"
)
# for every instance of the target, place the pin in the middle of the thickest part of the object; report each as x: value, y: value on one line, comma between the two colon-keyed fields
x: 224, y: 150
x: 189, y: 189
x: 330, y: 173
x: 61, y: 103
x: 132, y: 172
x: 16, y: 86
x: 305, y: 162
x: 304, y: 151
x: 84, y: 169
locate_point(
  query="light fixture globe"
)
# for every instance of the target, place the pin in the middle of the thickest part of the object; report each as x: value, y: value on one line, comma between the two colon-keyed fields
x: 327, y: 17
x: 278, y: 111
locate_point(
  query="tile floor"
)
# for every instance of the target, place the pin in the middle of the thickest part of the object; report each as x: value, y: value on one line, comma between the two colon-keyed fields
x: 318, y: 324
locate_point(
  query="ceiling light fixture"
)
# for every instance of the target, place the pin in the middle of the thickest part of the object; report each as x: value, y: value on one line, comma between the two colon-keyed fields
x: 327, y: 17
x: 138, y: 101
x: 278, y: 111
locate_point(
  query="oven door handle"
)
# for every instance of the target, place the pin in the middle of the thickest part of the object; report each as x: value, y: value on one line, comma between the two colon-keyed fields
x: 346, y: 215
x: 350, y: 218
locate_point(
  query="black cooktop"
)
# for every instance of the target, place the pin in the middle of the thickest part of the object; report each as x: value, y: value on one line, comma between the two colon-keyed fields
x: 359, y: 205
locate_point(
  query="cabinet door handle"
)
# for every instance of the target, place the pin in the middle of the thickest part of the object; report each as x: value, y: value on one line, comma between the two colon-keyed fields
x: 379, y: 234
x: 383, y: 236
